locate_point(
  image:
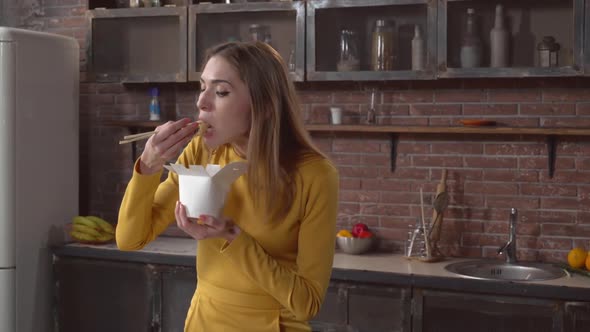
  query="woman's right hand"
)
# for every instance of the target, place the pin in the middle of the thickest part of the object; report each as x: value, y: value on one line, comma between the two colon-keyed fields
x: 165, y: 144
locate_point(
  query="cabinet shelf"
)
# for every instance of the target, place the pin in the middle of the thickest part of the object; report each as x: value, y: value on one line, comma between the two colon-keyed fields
x: 393, y: 131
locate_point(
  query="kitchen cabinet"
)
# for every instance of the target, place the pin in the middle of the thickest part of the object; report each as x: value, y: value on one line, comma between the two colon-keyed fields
x: 526, y: 21
x: 577, y: 316
x: 281, y: 24
x: 358, y: 307
x: 442, y: 311
x: 324, y: 41
x: 102, y: 295
x: 135, y: 45
x: 167, y: 44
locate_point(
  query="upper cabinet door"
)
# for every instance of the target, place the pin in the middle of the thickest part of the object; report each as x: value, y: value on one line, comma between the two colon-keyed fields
x: 509, y: 38
x: 281, y: 24
x: 134, y: 45
x: 354, y: 40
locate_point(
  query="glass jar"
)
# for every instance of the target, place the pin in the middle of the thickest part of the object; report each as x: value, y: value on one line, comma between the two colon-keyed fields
x: 348, y: 59
x: 257, y: 32
x: 382, y: 46
x: 548, y: 52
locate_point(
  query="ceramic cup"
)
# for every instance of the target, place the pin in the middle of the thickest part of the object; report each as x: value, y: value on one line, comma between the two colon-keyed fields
x: 336, y: 115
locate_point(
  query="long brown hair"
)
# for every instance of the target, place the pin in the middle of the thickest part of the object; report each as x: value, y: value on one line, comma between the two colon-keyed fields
x: 278, y: 139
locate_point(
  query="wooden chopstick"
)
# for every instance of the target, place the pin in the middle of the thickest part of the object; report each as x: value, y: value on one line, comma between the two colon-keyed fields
x: 137, y: 137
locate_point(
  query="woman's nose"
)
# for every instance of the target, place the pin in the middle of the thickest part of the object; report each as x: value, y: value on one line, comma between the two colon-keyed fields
x: 203, y: 103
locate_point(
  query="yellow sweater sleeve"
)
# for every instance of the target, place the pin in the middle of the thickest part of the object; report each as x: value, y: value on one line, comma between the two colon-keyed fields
x: 300, y: 290
x: 147, y: 208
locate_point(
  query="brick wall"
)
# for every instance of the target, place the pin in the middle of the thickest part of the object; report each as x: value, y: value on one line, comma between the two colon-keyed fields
x: 487, y: 174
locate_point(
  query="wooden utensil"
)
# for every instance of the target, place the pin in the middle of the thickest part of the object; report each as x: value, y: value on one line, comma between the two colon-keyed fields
x: 440, y: 205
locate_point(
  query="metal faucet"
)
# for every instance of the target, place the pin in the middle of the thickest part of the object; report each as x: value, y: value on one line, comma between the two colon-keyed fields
x: 509, y: 248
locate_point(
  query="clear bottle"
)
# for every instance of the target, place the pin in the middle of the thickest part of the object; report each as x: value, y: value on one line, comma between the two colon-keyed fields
x: 348, y: 59
x: 471, y: 49
x: 382, y: 46
x: 292, y: 58
x: 499, y: 41
x: 418, y: 46
x: 154, y: 105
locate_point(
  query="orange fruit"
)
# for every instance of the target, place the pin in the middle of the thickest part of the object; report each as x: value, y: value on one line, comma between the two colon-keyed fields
x: 577, y: 257
x: 344, y: 233
x: 588, y: 262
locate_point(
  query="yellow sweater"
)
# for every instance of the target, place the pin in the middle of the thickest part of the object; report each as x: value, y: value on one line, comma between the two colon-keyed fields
x: 274, y: 275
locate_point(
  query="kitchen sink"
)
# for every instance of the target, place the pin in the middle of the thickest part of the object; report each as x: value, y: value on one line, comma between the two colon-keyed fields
x: 494, y: 270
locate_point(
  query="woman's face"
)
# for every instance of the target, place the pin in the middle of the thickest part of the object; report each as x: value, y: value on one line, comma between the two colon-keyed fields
x: 224, y: 103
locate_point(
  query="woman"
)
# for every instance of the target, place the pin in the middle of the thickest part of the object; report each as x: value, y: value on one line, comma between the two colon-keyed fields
x: 266, y: 264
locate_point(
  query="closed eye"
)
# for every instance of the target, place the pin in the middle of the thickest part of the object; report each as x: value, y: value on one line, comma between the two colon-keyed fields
x: 222, y: 93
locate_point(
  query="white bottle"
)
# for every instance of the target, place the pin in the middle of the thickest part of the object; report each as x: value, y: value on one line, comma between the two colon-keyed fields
x: 418, y: 49
x: 471, y: 46
x: 499, y: 41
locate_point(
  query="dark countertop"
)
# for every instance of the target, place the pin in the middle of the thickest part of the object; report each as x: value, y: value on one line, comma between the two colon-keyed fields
x: 383, y: 269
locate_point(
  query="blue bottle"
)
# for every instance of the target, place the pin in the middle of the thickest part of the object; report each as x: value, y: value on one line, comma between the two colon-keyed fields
x: 154, y: 105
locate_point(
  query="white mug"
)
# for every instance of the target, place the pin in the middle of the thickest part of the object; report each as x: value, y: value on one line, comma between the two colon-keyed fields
x: 336, y: 115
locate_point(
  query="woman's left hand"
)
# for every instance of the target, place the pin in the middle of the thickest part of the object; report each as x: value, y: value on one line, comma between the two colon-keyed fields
x: 206, y: 227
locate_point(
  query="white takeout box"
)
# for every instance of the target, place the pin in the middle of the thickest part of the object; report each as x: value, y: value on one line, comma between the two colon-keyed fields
x: 203, y: 190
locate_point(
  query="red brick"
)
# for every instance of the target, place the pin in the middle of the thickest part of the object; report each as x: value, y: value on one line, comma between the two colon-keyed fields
x: 386, y: 210
x: 359, y: 196
x: 560, y: 203
x: 390, y: 197
x: 555, y: 217
x: 375, y: 160
x: 491, y: 188
x: 348, y: 208
x: 64, y: 11
x: 574, y: 122
x: 490, y: 162
x: 519, y: 122
x: 511, y: 175
x: 88, y: 100
x: 365, y: 172
x: 515, y: 149
x: 355, y: 97
x: 547, y: 109
x: 408, y: 96
x: 402, y: 223
x: 566, y: 230
x: 549, y: 190
x: 459, y: 96
x: 391, y: 234
x: 437, y: 161
x: 561, y: 176
x: 407, y: 147
x: 341, y: 159
x: 524, y: 203
x: 387, y: 110
x: 124, y: 111
x: 565, y: 95
x: 490, y: 109
x: 464, y: 148
x: 435, y: 110
x: 554, y: 243
x: 348, y: 183
x: 358, y: 146
x: 315, y: 97
x: 319, y: 114
x: 67, y: 22
x: 516, y: 95
x: 472, y: 239
x: 583, y: 109
x: 582, y: 164
x: 384, y: 185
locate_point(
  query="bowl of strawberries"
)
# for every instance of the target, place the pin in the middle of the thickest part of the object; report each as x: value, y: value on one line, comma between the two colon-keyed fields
x: 358, y: 240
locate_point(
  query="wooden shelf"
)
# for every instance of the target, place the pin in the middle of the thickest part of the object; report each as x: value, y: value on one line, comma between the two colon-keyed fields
x: 393, y: 131
x: 450, y: 130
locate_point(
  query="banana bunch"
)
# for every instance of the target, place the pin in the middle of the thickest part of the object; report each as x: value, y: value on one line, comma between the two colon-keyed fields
x: 91, y: 229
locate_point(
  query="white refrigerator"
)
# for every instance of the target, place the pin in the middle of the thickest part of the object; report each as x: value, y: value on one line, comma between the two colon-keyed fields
x: 39, y: 85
